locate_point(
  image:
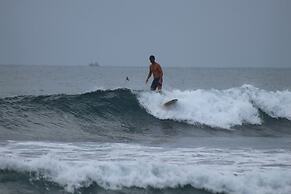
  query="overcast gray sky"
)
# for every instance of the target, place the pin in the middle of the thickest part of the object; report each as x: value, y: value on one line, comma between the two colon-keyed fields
x: 198, y: 33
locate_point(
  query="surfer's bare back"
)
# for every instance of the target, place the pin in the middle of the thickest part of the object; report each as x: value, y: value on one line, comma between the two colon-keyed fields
x: 157, y: 72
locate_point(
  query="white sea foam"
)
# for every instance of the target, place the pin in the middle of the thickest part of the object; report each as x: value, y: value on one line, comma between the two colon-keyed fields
x: 219, y: 108
x: 113, y: 166
x: 276, y: 104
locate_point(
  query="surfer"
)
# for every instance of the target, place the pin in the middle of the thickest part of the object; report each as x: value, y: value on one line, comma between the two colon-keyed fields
x: 157, y: 72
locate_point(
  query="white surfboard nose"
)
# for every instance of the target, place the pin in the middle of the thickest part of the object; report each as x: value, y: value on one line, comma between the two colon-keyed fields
x: 170, y: 102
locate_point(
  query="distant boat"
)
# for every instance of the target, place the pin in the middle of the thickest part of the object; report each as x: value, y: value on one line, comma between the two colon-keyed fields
x: 95, y: 64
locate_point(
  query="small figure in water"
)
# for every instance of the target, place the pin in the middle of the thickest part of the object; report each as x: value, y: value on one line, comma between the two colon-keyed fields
x: 157, y: 72
x: 127, y: 79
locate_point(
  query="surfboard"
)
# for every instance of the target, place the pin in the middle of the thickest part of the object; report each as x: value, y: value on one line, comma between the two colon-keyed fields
x: 170, y: 102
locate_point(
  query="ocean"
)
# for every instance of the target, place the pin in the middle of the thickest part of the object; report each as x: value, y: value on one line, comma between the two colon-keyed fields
x: 79, y: 129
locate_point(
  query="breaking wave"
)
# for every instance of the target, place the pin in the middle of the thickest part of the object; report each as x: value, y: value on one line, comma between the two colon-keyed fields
x: 245, y: 105
x: 220, y: 108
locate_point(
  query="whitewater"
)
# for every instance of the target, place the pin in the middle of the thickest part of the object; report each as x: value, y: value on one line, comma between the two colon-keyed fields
x: 219, y: 108
x: 113, y: 166
x: 77, y: 130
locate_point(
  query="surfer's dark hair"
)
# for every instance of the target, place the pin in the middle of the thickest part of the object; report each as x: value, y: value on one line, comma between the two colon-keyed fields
x: 152, y: 58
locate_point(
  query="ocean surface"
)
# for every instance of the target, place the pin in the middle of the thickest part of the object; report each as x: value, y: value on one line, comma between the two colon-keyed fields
x: 89, y: 130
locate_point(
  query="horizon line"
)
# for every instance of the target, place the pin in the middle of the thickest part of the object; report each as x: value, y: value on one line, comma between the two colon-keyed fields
x: 165, y: 66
